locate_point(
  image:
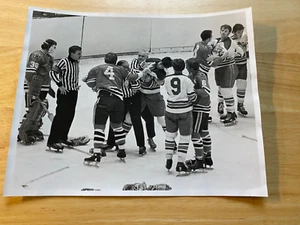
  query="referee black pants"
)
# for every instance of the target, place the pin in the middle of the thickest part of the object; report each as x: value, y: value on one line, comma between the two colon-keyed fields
x: 65, y: 112
x: 133, y: 106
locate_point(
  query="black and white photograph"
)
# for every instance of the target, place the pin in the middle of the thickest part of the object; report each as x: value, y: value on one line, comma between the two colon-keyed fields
x: 137, y: 105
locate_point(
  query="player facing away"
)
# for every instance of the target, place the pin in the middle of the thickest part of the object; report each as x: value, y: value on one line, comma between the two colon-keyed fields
x: 200, y: 136
x: 178, y: 116
x: 107, y: 80
x: 226, y: 73
x: 36, y: 87
x: 132, y: 112
x: 241, y: 62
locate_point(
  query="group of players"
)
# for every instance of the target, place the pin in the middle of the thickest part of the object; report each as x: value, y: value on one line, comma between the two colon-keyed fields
x: 188, y: 100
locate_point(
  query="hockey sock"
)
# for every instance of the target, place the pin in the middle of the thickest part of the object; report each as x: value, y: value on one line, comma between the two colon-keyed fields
x: 228, y: 97
x: 220, y: 96
x: 206, y: 141
x: 126, y: 127
x: 198, y: 146
x: 241, y: 90
x: 162, y: 122
x: 183, y: 147
x: 170, y: 144
x: 119, y: 136
x: 99, y: 139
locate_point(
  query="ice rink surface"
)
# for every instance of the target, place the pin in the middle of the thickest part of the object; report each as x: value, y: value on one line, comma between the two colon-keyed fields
x: 236, y: 170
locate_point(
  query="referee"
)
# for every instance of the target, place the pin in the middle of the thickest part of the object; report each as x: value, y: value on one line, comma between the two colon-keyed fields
x: 66, y: 75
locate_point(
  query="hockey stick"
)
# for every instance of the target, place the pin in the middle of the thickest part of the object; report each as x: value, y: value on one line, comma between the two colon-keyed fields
x: 252, y: 139
x: 48, y: 174
x: 50, y: 115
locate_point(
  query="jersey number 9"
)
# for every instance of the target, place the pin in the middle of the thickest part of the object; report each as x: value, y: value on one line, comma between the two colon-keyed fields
x: 175, y: 83
x: 110, y: 73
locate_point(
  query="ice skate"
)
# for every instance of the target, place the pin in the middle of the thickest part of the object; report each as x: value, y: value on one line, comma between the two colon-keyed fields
x: 67, y: 143
x: 220, y: 108
x: 198, y: 166
x: 182, y: 169
x: 208, y: 160
x: 142, y: 151
x: 241, y: 110
x: 152, y: 144
x: 209, y: 119
x: 55, y: 147
x: 93, y: 160
x: 222, y: 118
x: 38, y: 135
x: 190, y: 162
x: 169, y: 163
x: 121, y: 154
x: 230, y: 119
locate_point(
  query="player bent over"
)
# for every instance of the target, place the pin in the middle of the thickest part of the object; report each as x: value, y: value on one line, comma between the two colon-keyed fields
x: 107, y: 80
x: 178, y: 114
x: 36, y: 86
x: 200, y: 137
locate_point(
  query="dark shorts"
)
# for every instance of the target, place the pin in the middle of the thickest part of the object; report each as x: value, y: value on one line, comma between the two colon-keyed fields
x: 200, y: 122
x: 155, y: 103
x: 226, y: 76
x: 182, y: 122
x: 108, y: 105
x: 242, y: 71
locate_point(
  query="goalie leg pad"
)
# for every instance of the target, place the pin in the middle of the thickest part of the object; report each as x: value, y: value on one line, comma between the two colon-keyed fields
x: 32, y: 122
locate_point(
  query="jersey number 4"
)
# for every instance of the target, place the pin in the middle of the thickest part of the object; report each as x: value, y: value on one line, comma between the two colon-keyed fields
x: 175, y: 83
x: 110, y: 73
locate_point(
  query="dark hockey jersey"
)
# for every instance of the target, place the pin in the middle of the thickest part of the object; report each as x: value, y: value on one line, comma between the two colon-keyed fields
x: 202, y: 89
x: 39, y: 63
x: 107, y: 77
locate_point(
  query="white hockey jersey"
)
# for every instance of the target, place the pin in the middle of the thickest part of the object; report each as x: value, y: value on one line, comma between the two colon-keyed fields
x: 181, y: 94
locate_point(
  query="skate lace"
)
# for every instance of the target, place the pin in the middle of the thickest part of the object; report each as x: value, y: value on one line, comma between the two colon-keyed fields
x: 242, y: 108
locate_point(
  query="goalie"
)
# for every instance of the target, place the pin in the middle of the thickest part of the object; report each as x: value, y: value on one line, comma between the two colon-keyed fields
x: 37, y: 81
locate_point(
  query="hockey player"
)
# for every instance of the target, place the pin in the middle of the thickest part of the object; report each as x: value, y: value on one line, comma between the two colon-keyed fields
x: 241, y: 62
x: 200, y: 137
x: 153, y: 104
x: 178, y: 116
x: 37, y: 85
x: 132, y: 103
x: 107, y: 80
x: 203, y: 53
x: 226, y: 73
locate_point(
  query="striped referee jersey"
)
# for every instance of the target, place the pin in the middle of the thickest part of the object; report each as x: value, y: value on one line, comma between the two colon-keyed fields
x: 66, y: 73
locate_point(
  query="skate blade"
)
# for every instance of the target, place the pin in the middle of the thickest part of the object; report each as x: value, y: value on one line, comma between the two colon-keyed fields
x: 230, y: 124
x: 240, y: 114
x: 170, y: 172
x: 54, y: 150
x: 141, y: 155
x: 91, y: 164
x: 122, y: 160
x: 182, y: 174
x: 199, y: 171
x: 153, y: 149
x: 209, y: 167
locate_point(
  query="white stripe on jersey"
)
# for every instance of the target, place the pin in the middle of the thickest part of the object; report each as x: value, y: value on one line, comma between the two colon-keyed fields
x: 181, y: 93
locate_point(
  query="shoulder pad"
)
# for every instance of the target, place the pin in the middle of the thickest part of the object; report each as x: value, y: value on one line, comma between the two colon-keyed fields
x: 36, y: 55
